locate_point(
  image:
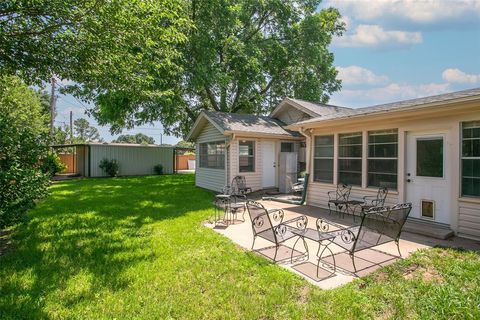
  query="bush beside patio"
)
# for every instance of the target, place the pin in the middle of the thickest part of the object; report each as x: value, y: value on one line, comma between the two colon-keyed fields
x: 136, y: 248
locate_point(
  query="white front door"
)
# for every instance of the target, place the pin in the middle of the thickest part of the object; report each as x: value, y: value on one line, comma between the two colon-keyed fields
x: 428, y: 176
x: 268, y: 164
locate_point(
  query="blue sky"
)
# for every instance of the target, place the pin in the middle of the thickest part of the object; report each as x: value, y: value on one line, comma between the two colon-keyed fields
x: 392, y: 50
x: 404, y: 49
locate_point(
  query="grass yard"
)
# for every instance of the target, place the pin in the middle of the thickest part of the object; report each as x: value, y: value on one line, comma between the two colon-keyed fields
x: 136, y: 248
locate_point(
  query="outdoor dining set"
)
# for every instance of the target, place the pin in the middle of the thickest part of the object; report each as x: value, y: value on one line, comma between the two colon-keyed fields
x: 377, y: 224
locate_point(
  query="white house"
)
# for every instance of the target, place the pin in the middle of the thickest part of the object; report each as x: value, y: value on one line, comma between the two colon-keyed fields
x: 426, y: 151
x: 240, y: 144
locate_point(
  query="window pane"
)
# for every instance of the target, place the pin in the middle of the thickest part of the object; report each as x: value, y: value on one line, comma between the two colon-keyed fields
x: 350, y: 165
x: 350, y: 138
x: 388, y: 136
x: 350, y: 151
x: 471, y: 148
x: 350, y: 171
x: 323, y: 170
x: 382, y: 150
x: 430, y: 157
x: 382, y: 166
x: 324, y: 140
x: 382, y: 180
x: 471, y: 168
x: 246, y: 159
x: 471, y: 186
x: 212, y: 155
x: 326, y: 152
x: 286, y: 147
x: 350, y: 178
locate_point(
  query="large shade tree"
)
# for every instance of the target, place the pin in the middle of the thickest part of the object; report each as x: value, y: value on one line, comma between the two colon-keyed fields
x: 141, y: 61
x: 240, y: 56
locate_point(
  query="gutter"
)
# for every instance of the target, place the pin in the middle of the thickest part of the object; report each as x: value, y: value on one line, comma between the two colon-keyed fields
x: 421, y: 107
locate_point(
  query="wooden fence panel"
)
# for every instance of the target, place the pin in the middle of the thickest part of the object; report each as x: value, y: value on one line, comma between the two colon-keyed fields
x: 69, y: 160
x: 182, y: 161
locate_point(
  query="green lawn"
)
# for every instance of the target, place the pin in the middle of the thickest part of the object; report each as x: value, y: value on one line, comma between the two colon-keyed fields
x: 136, y: 248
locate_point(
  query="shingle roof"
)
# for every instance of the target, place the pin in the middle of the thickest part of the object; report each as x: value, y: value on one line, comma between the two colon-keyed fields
x: 400, y: 105
x: 249, y: 123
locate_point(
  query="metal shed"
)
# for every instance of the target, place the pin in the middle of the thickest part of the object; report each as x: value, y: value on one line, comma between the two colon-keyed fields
x: 133, y: 159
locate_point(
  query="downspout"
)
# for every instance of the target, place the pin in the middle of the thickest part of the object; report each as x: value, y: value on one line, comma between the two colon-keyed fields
x: 227, y: 167
x: 307, y: 135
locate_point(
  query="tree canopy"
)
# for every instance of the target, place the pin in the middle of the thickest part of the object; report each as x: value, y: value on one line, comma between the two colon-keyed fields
x: 138, y: 138
x: 141, y: 61
x: 240, y: 56
x: 84, y: 132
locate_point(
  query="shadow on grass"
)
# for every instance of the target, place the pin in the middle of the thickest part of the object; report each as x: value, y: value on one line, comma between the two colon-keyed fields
x: 96, y: 229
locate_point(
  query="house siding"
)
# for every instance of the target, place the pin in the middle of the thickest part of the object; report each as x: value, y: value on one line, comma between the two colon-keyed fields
x: 211, y: 179
x: 469, y: 218
x: 465, y: 213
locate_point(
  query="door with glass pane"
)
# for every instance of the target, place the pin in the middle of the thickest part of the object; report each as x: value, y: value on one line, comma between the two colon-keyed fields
x: 427, y: 176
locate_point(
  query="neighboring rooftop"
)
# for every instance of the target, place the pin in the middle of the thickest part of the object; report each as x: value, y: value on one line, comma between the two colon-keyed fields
x: 400, y: 105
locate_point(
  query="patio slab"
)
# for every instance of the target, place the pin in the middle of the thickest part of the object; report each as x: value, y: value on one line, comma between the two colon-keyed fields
x: 366, y: 261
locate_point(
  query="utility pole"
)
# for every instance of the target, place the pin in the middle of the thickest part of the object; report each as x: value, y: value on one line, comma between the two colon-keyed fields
x: 161, y: 139
x: 71, y: 126
x: 52, y: 108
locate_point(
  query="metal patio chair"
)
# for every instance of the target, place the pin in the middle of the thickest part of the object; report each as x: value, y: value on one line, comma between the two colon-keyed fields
x: 339, y: 198
x: 239, y: 185
x: 375, y: 201
x: 269, y: 225
x: 379, y: 225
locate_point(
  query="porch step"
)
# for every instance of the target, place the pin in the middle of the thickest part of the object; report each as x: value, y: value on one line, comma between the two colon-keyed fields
x: 429, y: 229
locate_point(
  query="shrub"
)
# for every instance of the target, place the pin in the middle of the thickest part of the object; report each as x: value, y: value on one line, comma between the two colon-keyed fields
x: 23, y: 145
x: 52, y: 164
x: 158, y: 169
x: 110, y: 167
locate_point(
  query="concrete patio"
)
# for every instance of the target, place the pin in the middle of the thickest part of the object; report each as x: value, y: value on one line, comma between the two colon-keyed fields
x: 367, y: 261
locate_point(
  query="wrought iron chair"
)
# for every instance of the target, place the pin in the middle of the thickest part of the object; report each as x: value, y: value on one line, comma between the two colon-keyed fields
x: 375, y: 201
x: 339, y: 198
x: 239, y: 184
x: 379, y: 225
x: 276, y: 233
x: 237, y: 202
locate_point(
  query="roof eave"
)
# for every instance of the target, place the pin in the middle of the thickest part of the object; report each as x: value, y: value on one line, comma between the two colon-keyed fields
x: 312, y: 122
x: 262, y: 135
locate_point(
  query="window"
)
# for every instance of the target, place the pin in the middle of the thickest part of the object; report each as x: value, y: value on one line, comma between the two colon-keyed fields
x: 246, y: 156
x: 323, y: 159
x: 471, y: 158
x: 382, y: 158
x: 430, y: 157
x: 212, y: 155
x: 286, y: 147
x: 350, y: 158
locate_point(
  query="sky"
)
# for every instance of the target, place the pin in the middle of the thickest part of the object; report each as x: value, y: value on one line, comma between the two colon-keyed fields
x: 392, y: 50
x: 395, y: 50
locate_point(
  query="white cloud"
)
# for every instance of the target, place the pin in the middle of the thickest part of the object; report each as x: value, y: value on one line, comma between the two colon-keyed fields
x: 411, y: 11
x: 389, y: 93
x: 354, y: 75
x: 458, y: 76
x: 375, y: 36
